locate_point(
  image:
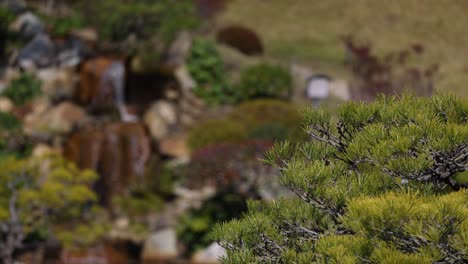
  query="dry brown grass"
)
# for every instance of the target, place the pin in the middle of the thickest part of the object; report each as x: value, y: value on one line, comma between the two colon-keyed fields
x: 310, y: 31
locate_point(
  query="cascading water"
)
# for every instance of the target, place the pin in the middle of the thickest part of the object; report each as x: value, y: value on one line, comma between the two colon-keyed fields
x: 114, y: 76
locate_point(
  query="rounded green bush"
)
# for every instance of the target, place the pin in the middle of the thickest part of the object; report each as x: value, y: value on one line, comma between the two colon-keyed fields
x: 207, y: 69
x: 216, y: 131
x: 9, y: 122
x: 269, y: 132
x: 265, y: 81
x: 258, y: 115
x: 23, y: 89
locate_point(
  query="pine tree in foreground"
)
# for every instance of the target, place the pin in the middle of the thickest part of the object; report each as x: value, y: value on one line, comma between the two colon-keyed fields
x: 380, y: 183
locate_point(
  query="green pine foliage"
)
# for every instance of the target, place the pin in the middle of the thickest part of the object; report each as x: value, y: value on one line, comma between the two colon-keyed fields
x: 379, y: 183
x: 45, y: 196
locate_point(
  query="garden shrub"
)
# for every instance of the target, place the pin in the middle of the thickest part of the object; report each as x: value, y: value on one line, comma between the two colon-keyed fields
x: 269, y: 132
x: 23, y: 89
x: 232, y: 166
x: 265, y: 81
x: 241, y: 38
x: 257, y: 115
x: 216, y: 131
x: 389, y: 74
x: 194, y: 227
x: 207, y: 69
x: 137, y: 204
x: 8, y: 122
x: 46, y: 195
x: 377, y: 184
x: 61, y: 26
x: 147, y: 20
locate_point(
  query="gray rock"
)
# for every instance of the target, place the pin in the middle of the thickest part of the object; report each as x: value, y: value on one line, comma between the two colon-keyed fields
x: 71, y: 52
x: 58, y: 83
x: 28, y: 25
x: 161, y: 245
x: 211, y: 254
x: 6, y: 105
x: 159, y: 118
x: 179, y: 49
x: 340, y: 89
x: 38, y: 53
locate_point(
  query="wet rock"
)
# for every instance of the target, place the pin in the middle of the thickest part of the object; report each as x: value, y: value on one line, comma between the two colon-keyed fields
x: 6, y: 105
x: 117, y: 151
x: 146, y: 87
x: 160, y: 246
x: 211, y: 254
x: 28, y: 25
x: 109, y: 253
x: 38, y: 53
x: 159, y: 119
x: 243, y: 39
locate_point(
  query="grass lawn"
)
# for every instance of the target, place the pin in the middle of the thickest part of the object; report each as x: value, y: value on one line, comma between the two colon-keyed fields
x: 310, y: 31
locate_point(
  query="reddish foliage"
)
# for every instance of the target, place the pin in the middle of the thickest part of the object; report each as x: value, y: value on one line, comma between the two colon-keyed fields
x: 242, y: 39
x: 234, y: 165
x: 388, y: 74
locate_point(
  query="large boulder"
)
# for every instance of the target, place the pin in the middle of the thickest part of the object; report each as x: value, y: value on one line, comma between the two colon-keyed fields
x: 46, y: 120
x: 6, y: 105
x: 58, y: 83
x: 179, y: 50
x: 160, y: 246
x: 28, y: 25
x: 174, y: 146
x: 39, y: 52
x: 70, y: 52
x: 160, y: 118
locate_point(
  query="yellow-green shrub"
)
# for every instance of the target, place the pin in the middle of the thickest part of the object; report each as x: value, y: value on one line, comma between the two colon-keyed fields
x: 216, y: 131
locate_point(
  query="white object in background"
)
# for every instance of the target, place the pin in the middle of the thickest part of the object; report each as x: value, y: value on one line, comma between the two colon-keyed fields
x: 318, y: 87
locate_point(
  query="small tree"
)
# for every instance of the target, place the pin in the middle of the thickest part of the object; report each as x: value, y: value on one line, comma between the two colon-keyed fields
x: 381, y: 183
x: 43, y: 196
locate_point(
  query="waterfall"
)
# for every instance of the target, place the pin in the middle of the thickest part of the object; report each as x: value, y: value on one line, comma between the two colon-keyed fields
x: 114, y: 76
